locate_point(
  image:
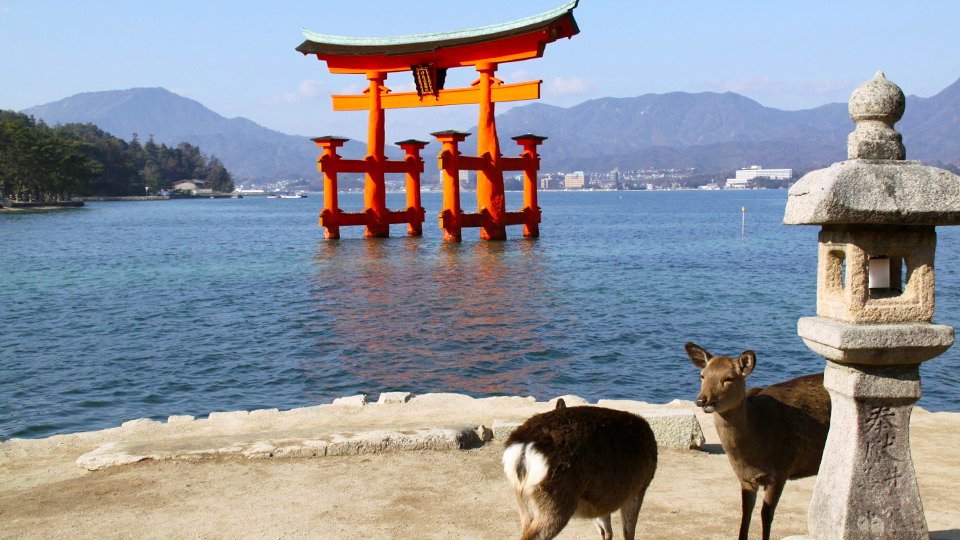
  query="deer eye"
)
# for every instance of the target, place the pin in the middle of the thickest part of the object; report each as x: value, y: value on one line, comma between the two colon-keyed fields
x: 727, y: 381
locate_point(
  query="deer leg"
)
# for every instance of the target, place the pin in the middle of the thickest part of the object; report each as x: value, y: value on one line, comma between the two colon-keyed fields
x: 629, y: 512
x: 524, y: 510
x: 748, y: 497
x: 550, y: 516
x: 771, y: 496
x: 604, y: 527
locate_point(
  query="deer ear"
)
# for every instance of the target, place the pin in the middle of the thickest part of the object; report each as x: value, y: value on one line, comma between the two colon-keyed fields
x: 697, y: 355
x: 748, y: 361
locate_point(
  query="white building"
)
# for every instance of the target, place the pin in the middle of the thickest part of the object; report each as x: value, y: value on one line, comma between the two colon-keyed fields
x: 737, y: 183
x: 756, y: 171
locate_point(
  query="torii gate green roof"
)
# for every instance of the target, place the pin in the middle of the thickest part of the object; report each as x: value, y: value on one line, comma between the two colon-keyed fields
x: 323, y: 44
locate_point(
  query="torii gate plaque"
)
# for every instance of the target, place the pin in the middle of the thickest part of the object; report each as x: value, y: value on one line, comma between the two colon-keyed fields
x: 428, y: 57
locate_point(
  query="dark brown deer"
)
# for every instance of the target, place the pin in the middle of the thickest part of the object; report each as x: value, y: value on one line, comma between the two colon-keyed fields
x: 584, y: 461
x: 770, y: 435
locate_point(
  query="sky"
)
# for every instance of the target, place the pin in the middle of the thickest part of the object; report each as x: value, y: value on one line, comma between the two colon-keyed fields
x: 238, y: 58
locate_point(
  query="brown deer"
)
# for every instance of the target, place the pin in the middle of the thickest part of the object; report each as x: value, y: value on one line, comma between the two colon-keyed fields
x: 770, y: 435
x: 584, y: 461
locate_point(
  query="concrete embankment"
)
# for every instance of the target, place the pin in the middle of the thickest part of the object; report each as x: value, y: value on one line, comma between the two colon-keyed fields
x: 397, y: 421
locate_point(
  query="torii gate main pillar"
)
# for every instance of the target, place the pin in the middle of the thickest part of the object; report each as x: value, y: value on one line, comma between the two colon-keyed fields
x: 374, y: 188
x: 491, y: 199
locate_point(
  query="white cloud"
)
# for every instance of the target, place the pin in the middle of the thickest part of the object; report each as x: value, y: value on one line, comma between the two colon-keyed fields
x: 573, y: 86
x: 828, y: 87
x: 307, y: 89
x: 355, y: 88
x: 408, y: 86
x: 521, y: 75
x: 311, y: 88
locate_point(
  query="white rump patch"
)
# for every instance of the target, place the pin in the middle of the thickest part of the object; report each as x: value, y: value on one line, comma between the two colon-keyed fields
x: 534, y: 464
x: 537, y: 467
x: 511, y: 458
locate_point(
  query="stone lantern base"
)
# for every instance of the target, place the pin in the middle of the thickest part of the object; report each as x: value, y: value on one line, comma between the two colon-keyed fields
x: 870, y: 437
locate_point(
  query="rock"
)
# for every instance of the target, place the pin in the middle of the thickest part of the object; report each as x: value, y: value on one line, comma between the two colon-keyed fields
x: 394, y: 398
x: 358, y: 400
x: 229, y: 416
x: 139, y: 423
x: 503, y: 428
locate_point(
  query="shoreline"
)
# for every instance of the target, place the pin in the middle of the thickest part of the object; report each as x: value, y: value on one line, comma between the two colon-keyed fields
x: 16, y: 206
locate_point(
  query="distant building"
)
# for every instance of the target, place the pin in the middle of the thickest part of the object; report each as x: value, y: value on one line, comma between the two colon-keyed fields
x: 756, y: 171
x: 194, y: 187
x: 188, y: 185
x: 467, y: 180
x: 736, y: 183
x: 575, y: 180
x: 550, y: 182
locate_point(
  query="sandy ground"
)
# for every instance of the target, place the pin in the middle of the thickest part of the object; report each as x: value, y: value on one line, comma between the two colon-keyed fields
x: 423, y: 495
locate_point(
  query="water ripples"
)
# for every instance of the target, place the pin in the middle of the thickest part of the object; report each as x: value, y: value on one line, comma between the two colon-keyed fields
x: 121, y: 311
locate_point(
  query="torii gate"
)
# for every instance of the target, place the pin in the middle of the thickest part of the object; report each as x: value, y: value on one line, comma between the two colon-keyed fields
x: 428, y: 56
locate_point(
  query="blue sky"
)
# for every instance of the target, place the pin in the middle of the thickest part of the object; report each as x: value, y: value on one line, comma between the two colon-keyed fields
x: 238, y: 57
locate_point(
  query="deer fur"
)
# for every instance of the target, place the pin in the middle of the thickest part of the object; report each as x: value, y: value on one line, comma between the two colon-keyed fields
x: 770, y: 435
x: 583, y: 461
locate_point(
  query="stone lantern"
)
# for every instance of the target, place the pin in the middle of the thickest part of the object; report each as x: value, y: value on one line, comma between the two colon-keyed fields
x: 875, y: 298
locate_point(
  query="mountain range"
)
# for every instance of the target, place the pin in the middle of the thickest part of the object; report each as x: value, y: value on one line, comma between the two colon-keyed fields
x: 248, y: 150
x: 711, y: 132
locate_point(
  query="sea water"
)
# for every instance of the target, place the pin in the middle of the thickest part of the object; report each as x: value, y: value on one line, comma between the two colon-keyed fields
x: 125, y: 310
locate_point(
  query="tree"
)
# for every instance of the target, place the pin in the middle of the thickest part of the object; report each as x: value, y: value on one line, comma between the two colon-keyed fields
x: 38, y: 162
x: 217, y: 176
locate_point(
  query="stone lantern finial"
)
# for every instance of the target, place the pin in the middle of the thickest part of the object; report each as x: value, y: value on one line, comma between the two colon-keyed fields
x: 876, y: 106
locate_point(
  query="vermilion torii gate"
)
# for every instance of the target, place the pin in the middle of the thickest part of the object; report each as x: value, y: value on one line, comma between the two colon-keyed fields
x: 428, y: 57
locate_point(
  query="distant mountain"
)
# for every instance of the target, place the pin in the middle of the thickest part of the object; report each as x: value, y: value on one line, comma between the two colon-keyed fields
x: 713, y: 132
x: 248, y: 150
x: 719, y: 132
x: 708, y: 131
x: 931, y: 126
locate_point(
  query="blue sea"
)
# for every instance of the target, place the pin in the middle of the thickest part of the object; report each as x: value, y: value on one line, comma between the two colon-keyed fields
x: 125, y: 310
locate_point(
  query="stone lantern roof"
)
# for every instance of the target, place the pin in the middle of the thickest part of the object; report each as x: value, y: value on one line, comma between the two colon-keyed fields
x: 876, y: 185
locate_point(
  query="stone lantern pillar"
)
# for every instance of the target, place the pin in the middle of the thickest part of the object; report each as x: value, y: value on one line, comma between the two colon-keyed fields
x: 875, y: 297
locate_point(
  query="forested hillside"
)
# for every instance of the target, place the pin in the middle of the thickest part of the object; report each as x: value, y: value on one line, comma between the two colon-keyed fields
x: 43, y: 163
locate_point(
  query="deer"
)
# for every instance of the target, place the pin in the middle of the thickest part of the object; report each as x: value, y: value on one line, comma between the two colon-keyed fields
x: 583, y: 461
x: 770, y: 435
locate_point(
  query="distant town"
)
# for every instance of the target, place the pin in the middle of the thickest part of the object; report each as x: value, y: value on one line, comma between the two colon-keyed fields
x: 752, y: 177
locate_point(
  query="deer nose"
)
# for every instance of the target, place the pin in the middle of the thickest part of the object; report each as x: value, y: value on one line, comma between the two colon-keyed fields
x: 701, y: 401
